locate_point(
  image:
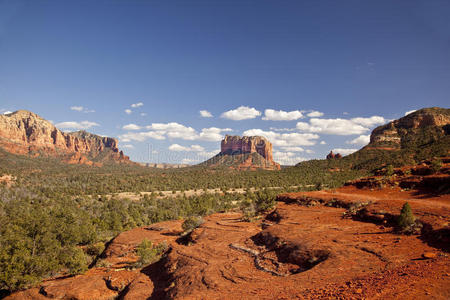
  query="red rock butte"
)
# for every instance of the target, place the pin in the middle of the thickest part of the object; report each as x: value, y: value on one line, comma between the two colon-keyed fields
x: 247, y: 144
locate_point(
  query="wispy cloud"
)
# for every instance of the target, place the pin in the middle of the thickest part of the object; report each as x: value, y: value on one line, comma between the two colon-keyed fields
x: 76, y: 125
x: 82, y: 109
x: 241, y: 113
x: 136, y: 105
x: 315, y: 114
x: 205, y: 114
x: 179, y: 148
x: 77, y: 108
x: 128, y: 146
x: 128, y: 111
x: 131, y: 127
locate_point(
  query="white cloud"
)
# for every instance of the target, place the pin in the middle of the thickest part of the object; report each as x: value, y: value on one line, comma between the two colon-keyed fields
x: 285, y: 139
x: 7, y: 112
x: 189, y: 161
x: 179, y: 148
x: 280, y: 115
x: 128, y: 111
x: 410, y: 112
x: 241, y: 113
x: 287, y: 158
x: 135, y: 105
x: 323, y: 143
x: 360, y: 140
x: 315, y: 114
x: 212, y: 134
x: 77, y: 108
x: 293, y: 149
x: 143, y: 114
x: 345, y: 113
x: 82, y: 109
x: 343, y: 151
x: 340, y: 126
x: 369, y: 122
x: 76, y: 125
x: 141, y: 136
x: 331, y: 126
x: 131, y: 127
x: 205, y: 114
x: 282, y: 129
x: 174, y: 130
x: 309, y: 151
x: 128, y: 146
x: 208, y: 154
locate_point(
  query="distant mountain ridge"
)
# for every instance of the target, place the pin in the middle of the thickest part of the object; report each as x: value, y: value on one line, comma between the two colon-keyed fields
x: 244, y: 153
x: 26, y: 133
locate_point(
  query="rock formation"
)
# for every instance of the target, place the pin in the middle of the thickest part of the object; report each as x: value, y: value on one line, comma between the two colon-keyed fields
x: 395, y: 133
x: 331, y: 155
x: 26, y: 133
x: 244, y: 153
x: 247, y: 144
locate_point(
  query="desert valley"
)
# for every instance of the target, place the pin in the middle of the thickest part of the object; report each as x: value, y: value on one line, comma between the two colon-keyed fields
x: 226, y: 149
x: 341, y: 232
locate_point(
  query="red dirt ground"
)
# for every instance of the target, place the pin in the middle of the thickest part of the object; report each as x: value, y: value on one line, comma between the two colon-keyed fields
x: 305, y: 249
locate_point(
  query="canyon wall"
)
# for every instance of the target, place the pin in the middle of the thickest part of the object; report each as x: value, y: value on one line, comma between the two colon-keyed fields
x: 24, y: 132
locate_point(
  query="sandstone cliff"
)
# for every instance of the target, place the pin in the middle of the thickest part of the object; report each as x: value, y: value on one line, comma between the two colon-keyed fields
x: 247, y: 144
x: 26, y: 133
x: 245, y: 153
x: 411, y: 128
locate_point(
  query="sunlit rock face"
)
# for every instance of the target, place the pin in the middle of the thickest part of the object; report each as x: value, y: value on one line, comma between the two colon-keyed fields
x: 23, y: 132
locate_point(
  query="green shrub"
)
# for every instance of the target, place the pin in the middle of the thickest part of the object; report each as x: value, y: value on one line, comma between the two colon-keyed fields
x: 191, y: 223
x: 148, y: 253
x: 95, y: 249
x: 436, y: 165
x: 265, y: 200
x: 389, y: 170
x: 406, y: 219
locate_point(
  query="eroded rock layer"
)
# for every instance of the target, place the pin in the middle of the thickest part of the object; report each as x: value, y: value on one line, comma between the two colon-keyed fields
x: 412, y: 128
x: 26, y: 133
x: 247, y: 144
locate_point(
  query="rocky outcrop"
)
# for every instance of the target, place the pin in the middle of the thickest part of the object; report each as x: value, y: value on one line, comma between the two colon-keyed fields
x: 331, y: 155
x: 247, y: 144
x: 244, y: 153
x: 395, y: 133
x: 26, y: 133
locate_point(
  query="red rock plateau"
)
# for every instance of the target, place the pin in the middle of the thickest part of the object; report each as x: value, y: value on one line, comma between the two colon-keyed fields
x: 245, y: 153
x: 335, y: 244
x: 26, y: 133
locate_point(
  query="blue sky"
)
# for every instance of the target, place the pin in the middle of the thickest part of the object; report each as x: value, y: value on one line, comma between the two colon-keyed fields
x: 348, y: 60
